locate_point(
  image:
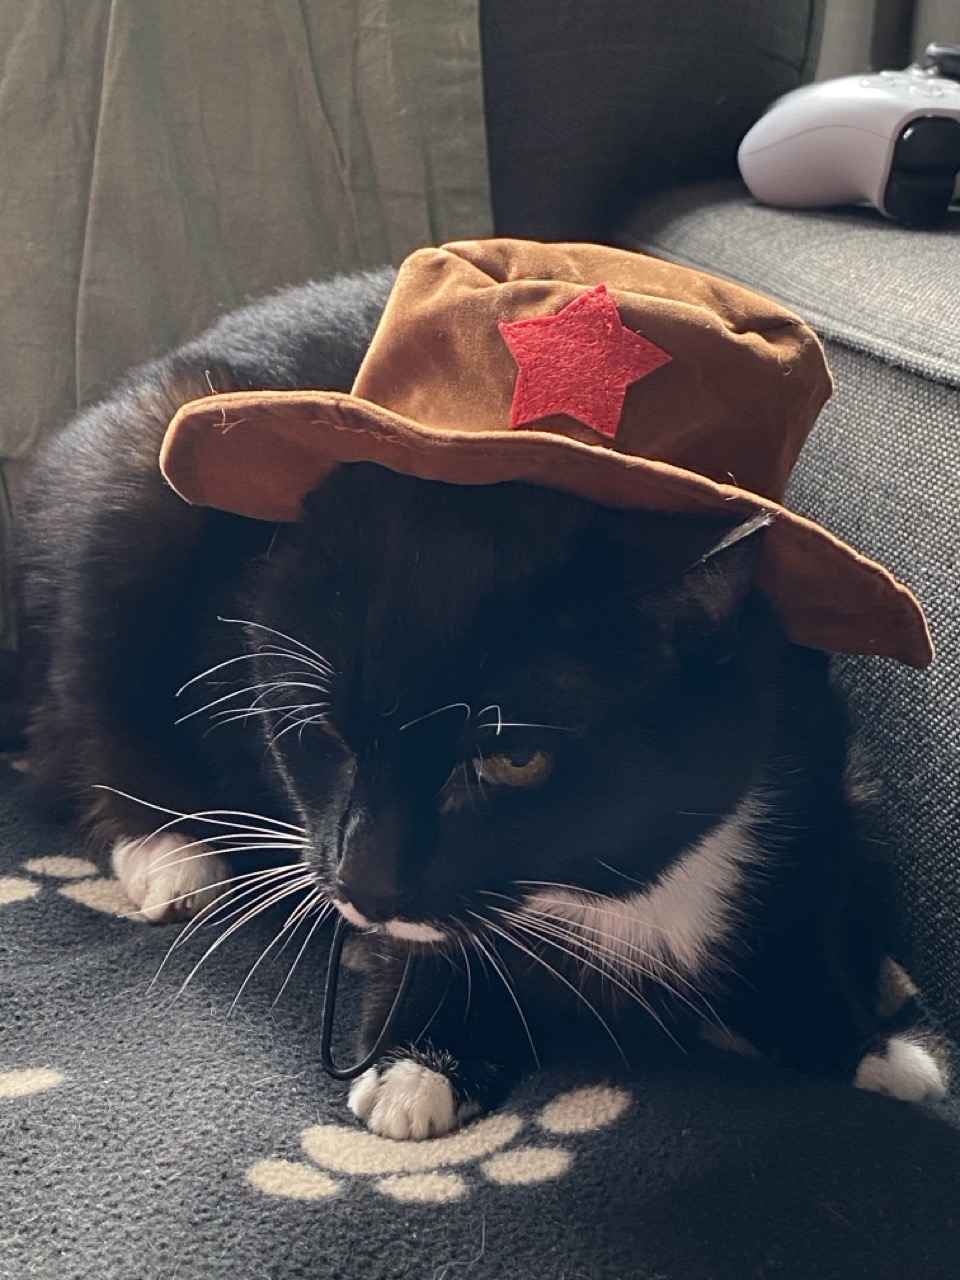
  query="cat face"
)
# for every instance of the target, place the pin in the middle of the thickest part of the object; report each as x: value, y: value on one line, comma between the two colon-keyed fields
x: 492, y: 689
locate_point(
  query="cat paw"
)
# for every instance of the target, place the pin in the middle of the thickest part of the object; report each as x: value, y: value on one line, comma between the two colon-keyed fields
x: 904, y: 1068
x: 170, y: 876
x: 408, y: 1101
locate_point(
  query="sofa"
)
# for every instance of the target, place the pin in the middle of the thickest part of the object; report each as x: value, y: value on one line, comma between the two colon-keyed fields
x: 149, y: 1131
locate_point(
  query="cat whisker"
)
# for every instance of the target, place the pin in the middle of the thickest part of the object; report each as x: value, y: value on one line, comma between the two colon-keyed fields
x: 616, y: 966
x: 300, y: 723
x: 468, y: 974
x: 300, y: 912
x: 296, y: 721
x: 236, y: 898
x: 244, y: 713
x: 263, y: 651
x: 277, y: 651
x: 232, y: 714
x: 582, y: 953
x: 236, y: 842
x: 622, y: 946
x: 617, y: 872
x: 267, y: 900
x: 207, y: 853
x: 246, y: 883
x: 228, y: 905
x: 509, y: 937
x: 265, y: 687
x: 311, y: 653
x: 289, y: 927
x: 284, y: 680
x: 211, y: 671
x: 525, y: 724
x: 654, y: 966
x: 598, y: 904
x: 323, y: 909
x: 216, y: 817
x: 226, y: 697
x: 494, y: 706
x: 500, y: 969
x: 307, y: 722
x: 451, y: 706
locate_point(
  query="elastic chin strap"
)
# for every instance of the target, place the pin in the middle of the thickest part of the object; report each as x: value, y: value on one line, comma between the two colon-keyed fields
x: 330, y: 1004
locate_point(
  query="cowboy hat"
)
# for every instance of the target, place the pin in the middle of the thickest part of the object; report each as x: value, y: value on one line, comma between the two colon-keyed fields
x: 625, y: 379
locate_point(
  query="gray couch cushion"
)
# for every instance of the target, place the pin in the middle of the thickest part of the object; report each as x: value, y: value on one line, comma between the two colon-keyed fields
x: 882, y: 468
x: 857, y: 277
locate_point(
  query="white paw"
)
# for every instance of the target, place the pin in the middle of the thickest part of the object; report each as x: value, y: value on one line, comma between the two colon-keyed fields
x: 903, y: 1069
x: 170, y: 876
x: 407, y: 1101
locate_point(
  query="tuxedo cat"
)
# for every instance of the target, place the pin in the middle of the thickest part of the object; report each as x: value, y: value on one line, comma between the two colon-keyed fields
x: 565, y: 754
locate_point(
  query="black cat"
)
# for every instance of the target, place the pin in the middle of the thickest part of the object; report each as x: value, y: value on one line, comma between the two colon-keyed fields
x: 564, y: 753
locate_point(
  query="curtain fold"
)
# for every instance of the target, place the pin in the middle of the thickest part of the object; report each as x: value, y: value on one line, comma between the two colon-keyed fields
x: 935, y: 20
x: 161, y: 163
x: 863, y: 35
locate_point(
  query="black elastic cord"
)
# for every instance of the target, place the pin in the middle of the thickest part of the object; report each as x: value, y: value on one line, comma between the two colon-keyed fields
x: 330, y: 1004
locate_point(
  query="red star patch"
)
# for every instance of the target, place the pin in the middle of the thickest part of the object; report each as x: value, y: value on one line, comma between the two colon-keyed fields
x: 578, y: 362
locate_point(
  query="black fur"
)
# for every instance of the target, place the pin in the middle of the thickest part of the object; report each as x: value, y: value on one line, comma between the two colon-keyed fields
x: 622, y: 659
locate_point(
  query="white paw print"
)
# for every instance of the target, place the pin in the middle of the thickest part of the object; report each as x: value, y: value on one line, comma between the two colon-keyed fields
x: 83, y: 883
x: 437, y: 1170
x: 28, y: 1080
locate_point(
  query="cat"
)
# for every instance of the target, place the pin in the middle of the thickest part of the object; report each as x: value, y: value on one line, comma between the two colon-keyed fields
x: 564, y: 754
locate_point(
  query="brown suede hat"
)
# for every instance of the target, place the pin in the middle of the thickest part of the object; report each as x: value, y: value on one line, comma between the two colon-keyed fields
x: 625, y: 379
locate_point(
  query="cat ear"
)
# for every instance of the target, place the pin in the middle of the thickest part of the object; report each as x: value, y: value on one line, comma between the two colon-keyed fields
x: 700, y: 607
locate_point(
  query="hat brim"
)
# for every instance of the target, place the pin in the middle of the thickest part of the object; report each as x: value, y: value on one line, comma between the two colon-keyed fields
x: 258, y: 453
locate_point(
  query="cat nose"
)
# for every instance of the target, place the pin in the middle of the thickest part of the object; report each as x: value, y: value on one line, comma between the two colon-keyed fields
x: 375, y: 903
x: 368, y: 875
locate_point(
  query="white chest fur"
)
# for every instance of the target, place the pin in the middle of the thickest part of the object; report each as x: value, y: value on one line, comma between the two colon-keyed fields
x: 678, y: 923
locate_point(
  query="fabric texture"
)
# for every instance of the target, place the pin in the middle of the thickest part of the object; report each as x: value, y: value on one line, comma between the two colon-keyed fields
x: 578, y: 362
x: 855, y: 276
x: 163, y: 163
x: 882, y: 469
x: 714, y: 431
x: 935, y: 20
x: 590, y: 106
x: 148, y: 1134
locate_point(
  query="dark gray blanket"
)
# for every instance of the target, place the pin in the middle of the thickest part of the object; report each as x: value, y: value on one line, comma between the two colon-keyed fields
x: 146, y: 1135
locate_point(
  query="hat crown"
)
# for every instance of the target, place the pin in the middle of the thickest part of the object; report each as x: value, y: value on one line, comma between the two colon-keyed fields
x: 734, y: 402
x: 719, y: 388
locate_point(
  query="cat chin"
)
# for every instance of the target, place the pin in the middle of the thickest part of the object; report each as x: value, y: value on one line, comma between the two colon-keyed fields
x: 409, y: 931
x: 402, y: 930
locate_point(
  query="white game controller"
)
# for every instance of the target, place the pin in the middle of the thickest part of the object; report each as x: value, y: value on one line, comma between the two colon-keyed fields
x: 891, y: 139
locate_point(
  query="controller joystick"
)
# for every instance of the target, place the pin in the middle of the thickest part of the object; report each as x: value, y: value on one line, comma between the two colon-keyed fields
x: 945, y: 59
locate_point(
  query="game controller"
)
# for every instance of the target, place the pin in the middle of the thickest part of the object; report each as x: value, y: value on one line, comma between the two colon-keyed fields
x: 891, y: 139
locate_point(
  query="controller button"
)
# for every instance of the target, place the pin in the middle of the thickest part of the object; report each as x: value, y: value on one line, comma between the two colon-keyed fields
x: 889, y: 81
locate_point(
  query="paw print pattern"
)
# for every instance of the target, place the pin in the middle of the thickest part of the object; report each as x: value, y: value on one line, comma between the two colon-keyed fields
x: 82, y: 883
x: 438, y: 1170
x: 28, y: 1080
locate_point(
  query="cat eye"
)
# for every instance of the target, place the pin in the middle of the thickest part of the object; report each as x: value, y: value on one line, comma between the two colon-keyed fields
x: 521, y: 768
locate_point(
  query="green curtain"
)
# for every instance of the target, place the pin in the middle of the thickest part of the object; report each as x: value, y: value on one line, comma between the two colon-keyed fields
x: 162, y: 162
